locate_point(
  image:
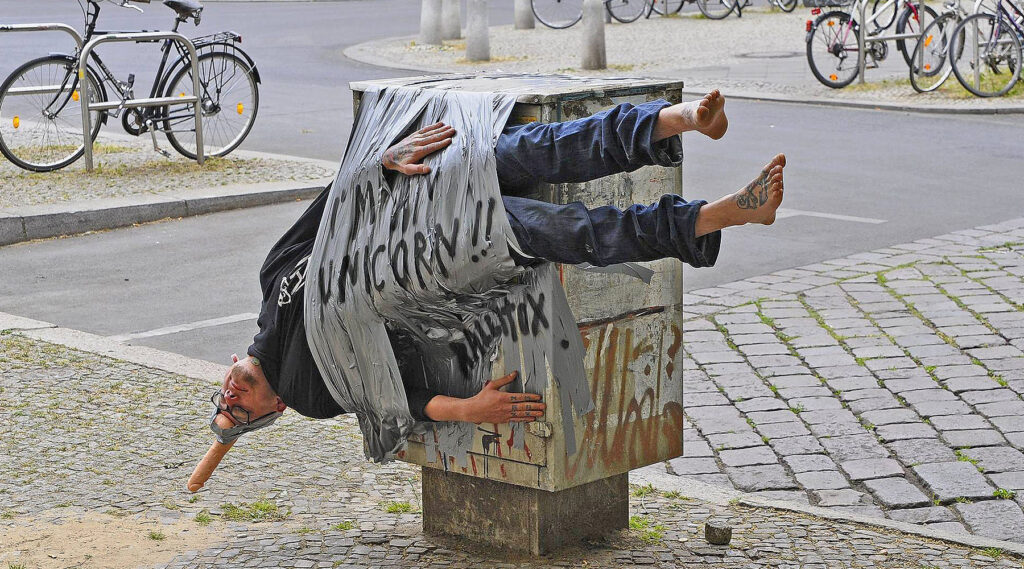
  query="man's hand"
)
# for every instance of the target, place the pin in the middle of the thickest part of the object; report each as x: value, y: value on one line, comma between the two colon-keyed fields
x: 492, y: 405
x: 407, y: 156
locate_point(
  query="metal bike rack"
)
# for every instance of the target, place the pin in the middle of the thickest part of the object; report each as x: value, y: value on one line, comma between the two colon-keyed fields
x: 862, y: 6
x: 41, y: 28
x: 196, y: 99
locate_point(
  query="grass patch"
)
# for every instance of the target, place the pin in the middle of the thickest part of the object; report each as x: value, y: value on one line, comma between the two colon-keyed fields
x: 6, y: 515
x: 621, y: 66
x: 798, y: 408
x: 648, y: 533
x: 193, y: 498
x: 1004, y: 494
x: 203, y: 518
x: 675, y: 495
x: 964, y: 458
x: 642, y: 491
x: 993, y: 552
x: 156, y: 536
x: 397, y: 507
x: 344, y: 526
x: 258, y: 511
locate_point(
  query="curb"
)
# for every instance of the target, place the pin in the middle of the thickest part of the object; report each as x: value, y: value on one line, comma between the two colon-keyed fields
x: 720, y: 496
x: 365, y: 53
x: 654, y: 474
x: 54, y: 220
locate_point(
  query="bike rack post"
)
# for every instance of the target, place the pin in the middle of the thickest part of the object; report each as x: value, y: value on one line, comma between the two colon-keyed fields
x: 862, y: 41
x: 196, y: 98
x: 43, y: 28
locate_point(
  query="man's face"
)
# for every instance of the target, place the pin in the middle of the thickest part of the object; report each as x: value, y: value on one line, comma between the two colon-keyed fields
x: 246, y: 388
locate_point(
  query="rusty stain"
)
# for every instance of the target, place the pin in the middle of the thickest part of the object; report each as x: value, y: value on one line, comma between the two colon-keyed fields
x: 503, y: 473
x: 472, y: 462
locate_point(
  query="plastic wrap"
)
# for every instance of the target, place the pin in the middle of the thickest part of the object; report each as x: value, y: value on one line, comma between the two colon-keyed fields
x: 423, y: 264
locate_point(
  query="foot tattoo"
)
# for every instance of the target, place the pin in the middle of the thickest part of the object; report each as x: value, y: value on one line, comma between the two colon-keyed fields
x: 763, y: 196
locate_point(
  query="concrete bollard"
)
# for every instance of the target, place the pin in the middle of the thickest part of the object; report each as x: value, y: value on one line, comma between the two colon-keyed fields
x: 594, y: 55
x: 478, y: 44
x: 717, y: 532
x: 430, y: 22
x: 524, y: 15
x: 451, y: 20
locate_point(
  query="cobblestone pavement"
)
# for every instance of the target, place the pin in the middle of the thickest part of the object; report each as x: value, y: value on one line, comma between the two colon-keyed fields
x: 762, y: 54
x: 96, y: 452
x: 129, y: 167
x: 885, y: 383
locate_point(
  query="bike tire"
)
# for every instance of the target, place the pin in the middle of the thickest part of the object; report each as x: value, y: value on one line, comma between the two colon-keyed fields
x: 557, y: 14
x: 908, y: 23
x: 998, y: 65
x: 626, y: 11
x: 930, y: 64
x: 222, y: 131
x: 53, y: 142
x: 788, y: 5
x: 674, y: 6
x: 883, y: 15
x: 716, y: 9
x: 829, y: 48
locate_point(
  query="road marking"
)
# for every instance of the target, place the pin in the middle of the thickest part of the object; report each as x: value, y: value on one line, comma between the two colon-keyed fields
x: 186, y: 327
x: 784, y: 212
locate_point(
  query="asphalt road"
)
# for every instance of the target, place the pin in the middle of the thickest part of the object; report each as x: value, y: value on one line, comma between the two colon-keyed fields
x: 857, y: 180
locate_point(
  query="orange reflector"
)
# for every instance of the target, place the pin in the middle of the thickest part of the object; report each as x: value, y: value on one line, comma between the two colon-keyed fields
x: 833, y: 77
x: 74, y: 96
x: 927, y: 66
x: 240, y: 108
x: 928, y: 41
x: 17, y: 122
x: 181, y: 94
x: 831, y: 23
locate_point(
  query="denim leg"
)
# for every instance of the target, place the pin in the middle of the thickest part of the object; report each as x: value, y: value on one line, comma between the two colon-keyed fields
x: 606, y: 235
x: 608, y: 142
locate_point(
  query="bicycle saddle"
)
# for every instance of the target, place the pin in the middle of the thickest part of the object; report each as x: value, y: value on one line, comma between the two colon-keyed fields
x: 184, y: 8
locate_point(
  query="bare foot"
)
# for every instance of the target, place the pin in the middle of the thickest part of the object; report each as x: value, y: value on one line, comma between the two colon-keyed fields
x: 707, y: 115
x: 759, y: 200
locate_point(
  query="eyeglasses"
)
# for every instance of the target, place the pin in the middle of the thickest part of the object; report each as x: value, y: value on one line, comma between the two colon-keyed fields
x: 240, y: 416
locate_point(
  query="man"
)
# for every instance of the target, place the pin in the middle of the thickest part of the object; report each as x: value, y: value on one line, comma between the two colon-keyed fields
x: 280, y: 372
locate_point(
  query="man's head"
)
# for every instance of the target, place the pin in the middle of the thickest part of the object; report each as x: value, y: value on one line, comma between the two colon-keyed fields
x: 246, y: 399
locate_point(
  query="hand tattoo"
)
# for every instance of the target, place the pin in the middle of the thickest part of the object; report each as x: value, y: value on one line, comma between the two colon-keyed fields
x: 395, y: 156
x: 752, y: 197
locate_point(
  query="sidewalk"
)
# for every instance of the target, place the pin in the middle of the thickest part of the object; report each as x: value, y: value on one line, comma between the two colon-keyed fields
x: 761, y: 56
x: 133, y: 184
x: 886, y: 383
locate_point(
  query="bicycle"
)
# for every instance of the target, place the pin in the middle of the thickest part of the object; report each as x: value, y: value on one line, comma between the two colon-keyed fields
x: 930, y: 63
x: 833, y: 38
x: 561, y: 14
x: 40, y: 106
x: 720, y: 9
x: 988, y: 50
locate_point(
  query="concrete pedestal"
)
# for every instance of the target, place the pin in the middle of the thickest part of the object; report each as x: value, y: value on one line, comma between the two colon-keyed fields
x: 522, y: 519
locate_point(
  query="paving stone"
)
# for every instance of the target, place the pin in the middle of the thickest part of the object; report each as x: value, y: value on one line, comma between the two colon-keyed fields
x: 767, y: 417
x: 801, y: 393
x: 890, y: 416
x: 809, y: 462
x: 1008, y: 424
x: 901, y: 386
x: 842, y: 497
x: 903, y: 431
x: 767, y: 477
x: 874, y: 404
x: 951, y: 480
x: 854, y: 447
x: 1009, y: 480
x: 921, y: 451
x: 798, y: 496
x: 687, y: 466
x: 796, y: 445
x: 973, y: 438
x: 815, y: 403
x: 928, y: 409
x: 748, y: 456
x: 853, y: 383
x: 936, y: 393
x: 759, y: 404
x: 703, y: 399
x: 1001, y: 408
x: 696, y: 448
x: 926, y: 515
x: 822, y: 480
x: 825, y: 430
x: 828, y: 416
x: 999, y: 519
x: 865, y: 469
x: 960, y: 422
x: 961, y: 384
x: 781, y: 430
x: 725, y: 441
x: 997, y: 458
x: 897, y: 493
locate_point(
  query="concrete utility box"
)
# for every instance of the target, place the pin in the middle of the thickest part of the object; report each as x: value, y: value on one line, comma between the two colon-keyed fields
x: 541, y: 497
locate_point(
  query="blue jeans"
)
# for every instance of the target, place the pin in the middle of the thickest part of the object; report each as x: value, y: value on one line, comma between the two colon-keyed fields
x: 609, y: 142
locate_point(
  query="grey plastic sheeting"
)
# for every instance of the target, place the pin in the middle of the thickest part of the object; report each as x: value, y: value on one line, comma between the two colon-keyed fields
x: 414, y: 275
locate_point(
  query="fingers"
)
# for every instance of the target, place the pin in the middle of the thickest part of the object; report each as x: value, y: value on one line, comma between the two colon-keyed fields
x: 434, y: 136
x: 496, y: 384
x: 523, y: 397
x: 414, y: 169
x: 430, y: 128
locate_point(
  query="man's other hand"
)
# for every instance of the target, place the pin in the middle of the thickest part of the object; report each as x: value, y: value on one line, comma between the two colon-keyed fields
x: 407, y: 156
x: 492, y: 405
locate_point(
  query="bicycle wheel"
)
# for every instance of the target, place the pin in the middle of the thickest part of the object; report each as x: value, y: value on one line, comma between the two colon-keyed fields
x: 716, y: 9
x: 987, y: 55
x: 910, y: 22
x: 832, y: 49
x: 41, y: 114
x: 230, y: 100
x: 930, y: 64
x: 883, y: 15
x: 787, y: 5
x: 626, y: 11
x: 674, y: 6
x: 557, y: 14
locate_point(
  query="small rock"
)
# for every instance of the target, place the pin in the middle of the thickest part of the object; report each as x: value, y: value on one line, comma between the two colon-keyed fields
x: 717, y: 533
